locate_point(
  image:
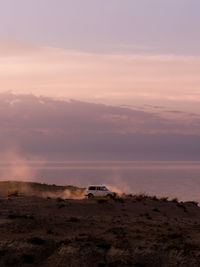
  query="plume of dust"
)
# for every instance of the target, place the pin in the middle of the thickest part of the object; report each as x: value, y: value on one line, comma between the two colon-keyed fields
x: 17, y: 168
x: 76, y: 194
x: 117, y: 184
x: 66, y: 194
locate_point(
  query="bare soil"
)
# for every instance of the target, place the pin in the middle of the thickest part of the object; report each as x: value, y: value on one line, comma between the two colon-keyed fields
x: 128, y: 231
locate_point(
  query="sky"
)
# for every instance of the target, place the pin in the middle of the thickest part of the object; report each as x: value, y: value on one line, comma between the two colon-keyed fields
x: 114, y: 52
x: 100, y: 79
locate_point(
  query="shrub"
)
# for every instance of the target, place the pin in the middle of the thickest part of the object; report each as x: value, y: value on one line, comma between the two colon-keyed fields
x: 129, y: 196
x: 36, y: 241
x: 26, y: 258
x: 196, y: 203
x: 156, y: 210
x: 102, y: 201
x: 99, y: 242
x: 59, y: 199
x: 60, y: 205
x: 153, y: 198
x: 175, y: 235
x: 164, y: 198
x: 13, y: 193
x: 20, y: 216
x: 181, y: 206
x: 119, y: 199
x: 175, y: 200
x: 140, y: 197
x: 74, y: 219
x: 103, y: 244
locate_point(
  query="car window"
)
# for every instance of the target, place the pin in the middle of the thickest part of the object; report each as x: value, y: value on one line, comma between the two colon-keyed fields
x: 92, y: 188
x: 104, y: 188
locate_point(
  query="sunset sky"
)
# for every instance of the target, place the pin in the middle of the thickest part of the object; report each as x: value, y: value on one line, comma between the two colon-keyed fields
x: 115, y: 52
x: 100, y: 79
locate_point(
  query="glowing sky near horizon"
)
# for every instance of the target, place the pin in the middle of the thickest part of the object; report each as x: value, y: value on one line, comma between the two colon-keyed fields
x: 117, y: 51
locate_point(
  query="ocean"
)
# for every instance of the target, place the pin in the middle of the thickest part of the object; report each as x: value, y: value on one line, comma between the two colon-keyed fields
x: 179, y: 179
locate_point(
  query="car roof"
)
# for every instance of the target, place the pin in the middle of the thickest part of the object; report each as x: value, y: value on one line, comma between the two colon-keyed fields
x: 96, y: 186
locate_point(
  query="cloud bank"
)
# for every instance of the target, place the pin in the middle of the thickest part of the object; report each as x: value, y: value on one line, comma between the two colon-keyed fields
x: 74, y: 130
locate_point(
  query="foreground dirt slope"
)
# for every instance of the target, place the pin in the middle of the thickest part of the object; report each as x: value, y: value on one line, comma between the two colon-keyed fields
x: 136, y: 231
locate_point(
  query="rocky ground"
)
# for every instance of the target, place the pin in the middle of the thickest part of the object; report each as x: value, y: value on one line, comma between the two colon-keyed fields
x: 128, y: 231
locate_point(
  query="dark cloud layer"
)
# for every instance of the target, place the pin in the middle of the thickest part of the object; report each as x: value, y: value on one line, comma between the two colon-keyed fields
x: 73, y: 130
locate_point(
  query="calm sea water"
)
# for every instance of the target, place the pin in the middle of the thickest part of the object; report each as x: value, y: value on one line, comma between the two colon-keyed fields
x: 173, y: 179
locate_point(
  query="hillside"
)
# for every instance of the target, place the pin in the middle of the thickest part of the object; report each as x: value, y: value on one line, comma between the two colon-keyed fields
x: 128, y: 231
x: 40, y: 190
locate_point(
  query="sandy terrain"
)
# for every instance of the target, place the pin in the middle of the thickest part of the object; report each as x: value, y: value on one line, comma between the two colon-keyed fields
x: 131, y: 231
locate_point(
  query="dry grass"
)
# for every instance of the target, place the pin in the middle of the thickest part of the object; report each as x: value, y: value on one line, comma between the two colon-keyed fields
x: 154, y: 198
x: 164, y: 198
x: 140, y: 197
x: 175, y: 200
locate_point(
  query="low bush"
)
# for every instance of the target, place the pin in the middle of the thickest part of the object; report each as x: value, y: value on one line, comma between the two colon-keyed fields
x: 156, y: 210
x: 182, y: 207
x: 175, y: 235
x: 60, y: 205
x: 196, y: 203
x: 140, y: 197
x: 153, y: 198
x: 74, y: 219
x: 102, y: 201
x: 119, y: 199
x: 20, y: 216
x: 13, y: 193
x: 36, y: 241
x: 103, y: 244
x: 175, y: 200
x: 59, y: 199
x: 164, y: 198
x: 26, y: 258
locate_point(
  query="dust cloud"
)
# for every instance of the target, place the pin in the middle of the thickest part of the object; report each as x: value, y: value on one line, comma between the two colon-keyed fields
x: 66, y: 194
x: 15, y: 167
x: 21, y: 175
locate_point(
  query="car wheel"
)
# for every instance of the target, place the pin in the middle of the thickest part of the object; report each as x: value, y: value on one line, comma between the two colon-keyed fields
x: 110, y: 196
x: 90, y: 196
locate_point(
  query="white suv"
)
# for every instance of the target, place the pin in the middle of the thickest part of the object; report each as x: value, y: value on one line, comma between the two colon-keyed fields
x: 99, y: 191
